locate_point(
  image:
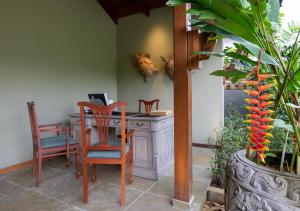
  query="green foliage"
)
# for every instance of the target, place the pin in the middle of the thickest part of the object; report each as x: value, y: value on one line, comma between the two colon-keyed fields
x: 229, y: 139
x: 233, y: 137
x: 254, y: 25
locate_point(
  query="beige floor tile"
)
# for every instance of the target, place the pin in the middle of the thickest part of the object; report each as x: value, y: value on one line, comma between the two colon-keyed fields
x: 64, y: 187
x: 60, y: 163
x: 164, y: 187
x: 29, y: 200
x: 139, y: 183
x: 104, y: 197
x: 150, y: 202
x: 9, y: 191
x: 201, y: 173
x: 25, y: 179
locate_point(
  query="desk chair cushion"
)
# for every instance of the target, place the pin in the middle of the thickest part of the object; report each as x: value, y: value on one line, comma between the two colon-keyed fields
x: 109, y: 153
x: 56, y: 141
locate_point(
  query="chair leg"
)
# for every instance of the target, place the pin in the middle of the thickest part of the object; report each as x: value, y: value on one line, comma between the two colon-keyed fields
x: 130, y: 178
x: 33, y: 161
x: 123, y: 181
x: 39, y: 174
x: 85, y: 183
x: 94, y: 172
x: 67, y: 162
x: 77, y: 160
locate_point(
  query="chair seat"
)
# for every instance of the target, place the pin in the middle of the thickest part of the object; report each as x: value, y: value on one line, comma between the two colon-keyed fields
x: 56, y: 141
x: 110, y: 154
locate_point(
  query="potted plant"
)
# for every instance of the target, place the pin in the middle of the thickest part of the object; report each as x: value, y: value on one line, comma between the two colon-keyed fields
x: 256, y: 179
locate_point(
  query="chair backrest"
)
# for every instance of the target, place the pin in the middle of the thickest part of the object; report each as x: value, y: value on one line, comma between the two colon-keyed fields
x: 34, y: 124
x: 102, y: 116
x: 148, y: 105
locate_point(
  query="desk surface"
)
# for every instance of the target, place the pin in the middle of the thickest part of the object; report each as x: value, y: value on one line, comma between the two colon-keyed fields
x: 129, y: 115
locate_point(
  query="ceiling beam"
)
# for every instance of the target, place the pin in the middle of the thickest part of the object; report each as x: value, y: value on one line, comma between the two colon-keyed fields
x: 110, y: 12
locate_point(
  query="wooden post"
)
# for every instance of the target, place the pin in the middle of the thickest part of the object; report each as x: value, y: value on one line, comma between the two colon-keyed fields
x: 182, y: 112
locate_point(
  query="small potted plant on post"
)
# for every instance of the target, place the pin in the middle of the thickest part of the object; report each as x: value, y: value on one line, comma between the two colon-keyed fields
x: 257, y: 179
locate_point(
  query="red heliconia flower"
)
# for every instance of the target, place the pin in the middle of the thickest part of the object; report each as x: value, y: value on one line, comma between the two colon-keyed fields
x: 251, y: 101
x: 262, y: 147
x: 253, y: 122
x: 253, y: 140
x: 252, y: 93
x: 266, y: 127
x: 266, y: 104
x: 266, y: 112
x: 252, y: 108
x: 266, y: 96
x: 266, y: 119
x: 261, y: 157
x: 259, y: 120
x: 264, y: 87
x: 251, y: 83
x: 265, y: 76
x: 253, y: 135
x: 265, y: 134
x: 253, y: 116
x: 253, y: 129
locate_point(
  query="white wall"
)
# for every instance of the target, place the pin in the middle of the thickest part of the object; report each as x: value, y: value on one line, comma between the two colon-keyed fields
x: 208, y: 99
x: 54, y: 53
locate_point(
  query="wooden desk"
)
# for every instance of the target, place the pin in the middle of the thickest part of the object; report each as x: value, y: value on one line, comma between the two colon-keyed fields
x: 153, y: 141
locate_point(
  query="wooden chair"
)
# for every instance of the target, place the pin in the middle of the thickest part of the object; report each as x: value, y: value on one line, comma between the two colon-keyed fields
x: 148, y: 105
x: 61, y: 144
x: 108, y: 149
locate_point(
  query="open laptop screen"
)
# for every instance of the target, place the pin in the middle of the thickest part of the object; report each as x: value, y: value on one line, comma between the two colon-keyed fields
x: 100, y: 99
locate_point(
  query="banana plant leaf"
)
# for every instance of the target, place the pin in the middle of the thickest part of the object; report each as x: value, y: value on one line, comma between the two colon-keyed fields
x: 234, y: 75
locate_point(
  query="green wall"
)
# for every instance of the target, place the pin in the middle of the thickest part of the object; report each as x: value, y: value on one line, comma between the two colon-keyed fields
x: 154, y: 35
x: 54, y: 53
x: 139, y: 33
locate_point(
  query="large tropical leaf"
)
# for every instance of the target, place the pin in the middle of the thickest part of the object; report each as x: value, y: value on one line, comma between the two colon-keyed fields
x: 293, y: 84
x: 234, y: 75
x: 273, y: 11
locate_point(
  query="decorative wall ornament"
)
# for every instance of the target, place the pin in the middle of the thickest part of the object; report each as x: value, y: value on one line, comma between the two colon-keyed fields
x: 206, y: 44
x: 145, y: 65
x: 168, y: 66
x: 250, y: 186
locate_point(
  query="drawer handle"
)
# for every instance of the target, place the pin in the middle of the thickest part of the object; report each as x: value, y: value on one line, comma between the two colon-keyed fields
x: 140, y: 124
x: 116, y: 122
x: 77, y: 120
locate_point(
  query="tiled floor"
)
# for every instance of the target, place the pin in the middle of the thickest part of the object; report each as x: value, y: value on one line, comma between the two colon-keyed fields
x: 60, y: 190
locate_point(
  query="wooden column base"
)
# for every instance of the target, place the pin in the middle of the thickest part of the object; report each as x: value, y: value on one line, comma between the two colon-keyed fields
x: 183, y: 204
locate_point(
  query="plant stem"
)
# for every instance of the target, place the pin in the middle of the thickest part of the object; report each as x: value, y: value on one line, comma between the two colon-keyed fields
x: 283, y: 151
x: 293, y: 159
x: 298, y: 164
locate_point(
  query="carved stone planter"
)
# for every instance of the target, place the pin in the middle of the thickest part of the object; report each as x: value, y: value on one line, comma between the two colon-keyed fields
x: 252, y: 187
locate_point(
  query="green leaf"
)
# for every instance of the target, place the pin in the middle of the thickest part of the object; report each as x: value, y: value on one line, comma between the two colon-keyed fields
x: 281, y: 124
x: 218, y: 37
x: 238, y: 3
x: 273, y: 11
x: 243, y: 48
x: 234, y: 75
x: 266, y: 58
x: 293, y: 84
x: 254, y: 49
x: 241, y: 57
x: 270, y: 154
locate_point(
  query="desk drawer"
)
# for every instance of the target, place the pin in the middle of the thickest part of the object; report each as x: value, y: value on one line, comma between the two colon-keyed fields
x: 115, y: 123
x: 75, y: 121
x: 140, y: 124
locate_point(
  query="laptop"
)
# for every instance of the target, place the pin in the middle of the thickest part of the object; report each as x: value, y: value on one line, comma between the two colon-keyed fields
x: 99, y: 99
